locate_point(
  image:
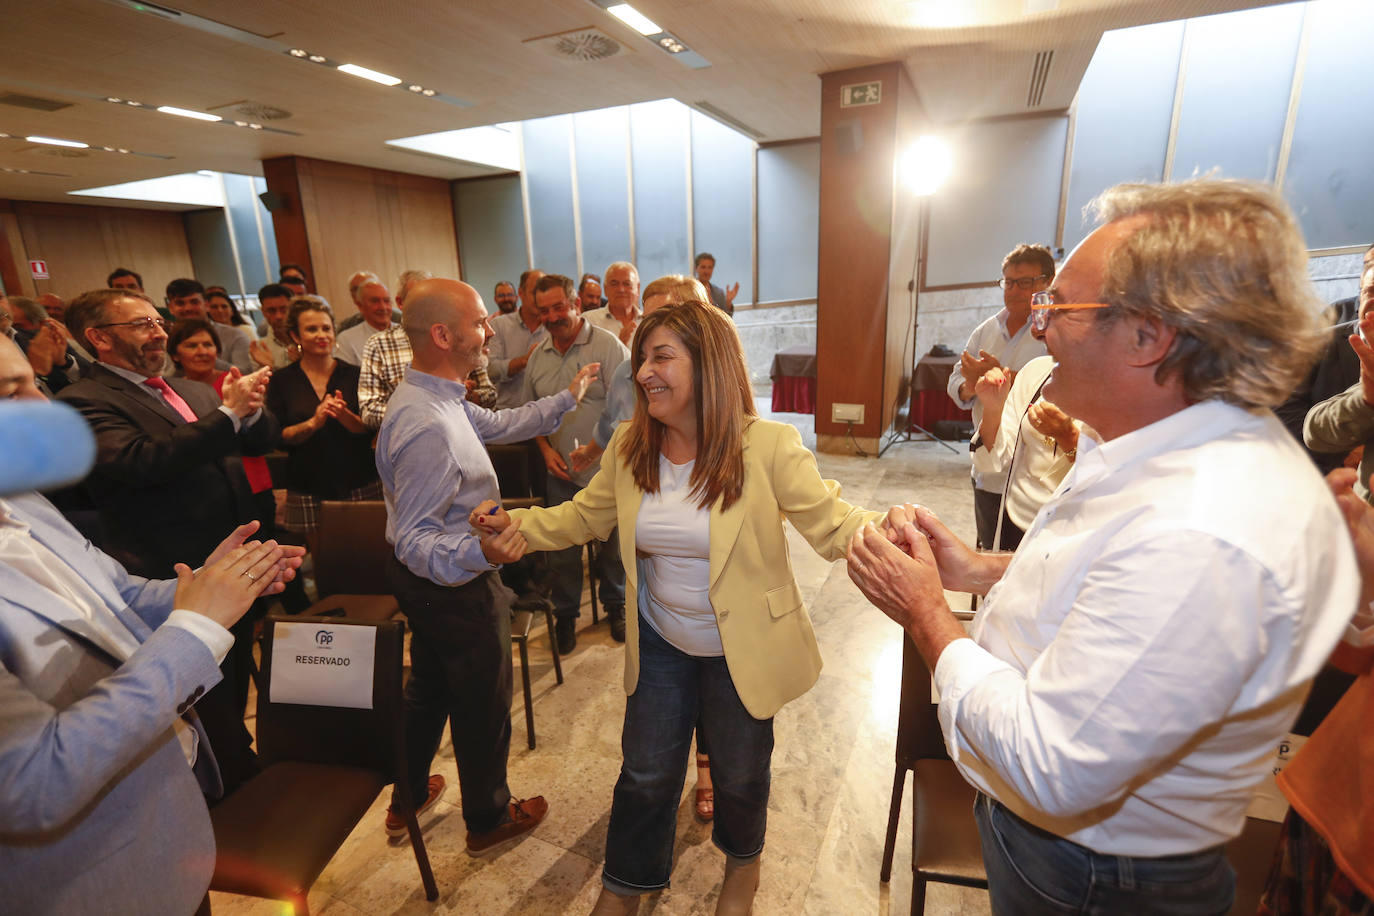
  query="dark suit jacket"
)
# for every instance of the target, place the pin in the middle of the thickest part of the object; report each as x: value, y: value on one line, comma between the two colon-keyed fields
x: 168, y: 491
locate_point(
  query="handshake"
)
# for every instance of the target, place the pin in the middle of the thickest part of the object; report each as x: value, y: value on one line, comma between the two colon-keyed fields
x: 904, y: 563
x: 501, y: 539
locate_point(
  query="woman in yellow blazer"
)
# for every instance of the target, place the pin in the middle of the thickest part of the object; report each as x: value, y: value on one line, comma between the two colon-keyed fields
x: 715, y: 624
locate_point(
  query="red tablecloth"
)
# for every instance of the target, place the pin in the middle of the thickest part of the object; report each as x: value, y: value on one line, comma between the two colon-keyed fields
x: 792, y: 394
x: 794, y: 380
x: 930, y: 402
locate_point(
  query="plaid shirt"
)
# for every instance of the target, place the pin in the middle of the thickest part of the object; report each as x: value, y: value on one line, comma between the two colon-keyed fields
x: 385, y: 358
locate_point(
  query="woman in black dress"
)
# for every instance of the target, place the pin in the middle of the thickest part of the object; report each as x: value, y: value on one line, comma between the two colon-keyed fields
x: 316, y: 401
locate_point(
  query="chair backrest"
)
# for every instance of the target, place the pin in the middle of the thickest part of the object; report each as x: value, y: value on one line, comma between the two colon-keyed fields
x: 352, y: 552
x: 511, y: 463
x: 918, y: 723
x: 370, y: 738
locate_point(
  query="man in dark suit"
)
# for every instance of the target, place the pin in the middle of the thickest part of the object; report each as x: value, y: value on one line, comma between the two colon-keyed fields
x: 167, y: 480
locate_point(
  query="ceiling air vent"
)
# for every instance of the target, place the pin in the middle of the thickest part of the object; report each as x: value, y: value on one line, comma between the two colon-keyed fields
x: 32, y: 101
x: 249, y: 110
x: 1040, y: 75
x: 589, y: 44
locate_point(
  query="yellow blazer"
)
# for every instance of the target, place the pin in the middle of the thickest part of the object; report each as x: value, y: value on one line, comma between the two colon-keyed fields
x: 770, y: 647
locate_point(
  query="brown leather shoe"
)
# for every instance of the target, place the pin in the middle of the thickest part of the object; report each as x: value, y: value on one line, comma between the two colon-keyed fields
x: 396, y: 825
x: 522, y: 817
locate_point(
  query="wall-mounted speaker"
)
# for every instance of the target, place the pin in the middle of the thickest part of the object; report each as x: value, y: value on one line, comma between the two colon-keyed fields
x: 273, y: 201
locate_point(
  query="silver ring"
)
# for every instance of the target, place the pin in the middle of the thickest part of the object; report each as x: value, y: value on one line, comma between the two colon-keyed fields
x: 251, y: 577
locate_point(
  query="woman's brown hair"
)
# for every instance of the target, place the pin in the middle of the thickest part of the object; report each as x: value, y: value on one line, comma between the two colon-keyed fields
x: 724, y: 404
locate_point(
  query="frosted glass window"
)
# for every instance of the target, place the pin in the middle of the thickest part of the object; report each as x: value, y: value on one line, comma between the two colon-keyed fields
x: 660, y: 138
x: 602, y: 189
x: 1124, y: 105
x: 1238, y: 75
x: 722, y: 187
x: 789, y: 220
x: 491, y: 232
x: 1330, y: 181
x: 241, y: 200
x: 268, y: 233
x: 548, y: 171
x: 1003, y: 190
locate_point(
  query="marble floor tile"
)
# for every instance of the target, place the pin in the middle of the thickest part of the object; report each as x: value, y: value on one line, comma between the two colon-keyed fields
x: 832, y: 766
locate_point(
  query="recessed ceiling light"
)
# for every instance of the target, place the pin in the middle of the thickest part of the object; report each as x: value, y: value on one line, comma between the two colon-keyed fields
x: 299, y: 52
x: 634, y: 19
x: 429, y: 93
x: 415, y: 88
x: 317, y: 58
x: 110, y: 98
x: 671, y: 45
x: 373, y: 75
x: 188, y: 113
x: 57, y: 141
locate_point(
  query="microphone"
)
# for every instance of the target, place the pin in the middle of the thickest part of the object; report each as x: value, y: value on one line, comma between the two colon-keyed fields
x: 43, y: 445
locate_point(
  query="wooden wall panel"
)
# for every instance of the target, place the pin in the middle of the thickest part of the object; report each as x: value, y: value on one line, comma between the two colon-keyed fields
x: 355, y: 218
x: 82, y: 244
x: 858, y: 147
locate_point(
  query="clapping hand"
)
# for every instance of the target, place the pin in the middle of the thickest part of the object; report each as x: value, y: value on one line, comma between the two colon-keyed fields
x: 1048, y: 420
x: 225, y: 587
x: 244, y: 394
x: 336, y: 408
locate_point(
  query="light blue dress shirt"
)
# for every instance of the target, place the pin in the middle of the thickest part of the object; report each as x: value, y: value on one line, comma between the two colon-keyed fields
x: 435, y: 469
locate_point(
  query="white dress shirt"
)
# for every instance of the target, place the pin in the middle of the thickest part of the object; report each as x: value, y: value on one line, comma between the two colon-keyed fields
x: 349, y: 345
x: 1013, y: 351
x: 1034, y: 467
x: 78, y: 607
x: 1154, y: 636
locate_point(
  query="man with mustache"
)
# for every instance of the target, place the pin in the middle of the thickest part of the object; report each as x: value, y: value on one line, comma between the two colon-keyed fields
x: 572, y: 343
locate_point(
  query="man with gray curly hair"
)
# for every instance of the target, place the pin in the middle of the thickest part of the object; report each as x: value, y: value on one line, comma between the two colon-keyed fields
x: 1119, y: 695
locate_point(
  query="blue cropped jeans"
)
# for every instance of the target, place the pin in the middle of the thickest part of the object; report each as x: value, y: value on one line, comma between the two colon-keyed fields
x: 674, y: 690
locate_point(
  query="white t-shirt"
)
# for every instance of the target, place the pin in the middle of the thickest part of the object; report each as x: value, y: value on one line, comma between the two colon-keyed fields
x: 673, y: 542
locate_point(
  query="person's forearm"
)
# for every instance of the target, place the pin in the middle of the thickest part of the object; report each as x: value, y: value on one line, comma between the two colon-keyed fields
x: 299, y: 432
x: 1339, y: 423
x: 991, y: 423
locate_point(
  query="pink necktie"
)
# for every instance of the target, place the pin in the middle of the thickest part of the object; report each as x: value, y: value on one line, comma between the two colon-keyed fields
x: 172, y: 398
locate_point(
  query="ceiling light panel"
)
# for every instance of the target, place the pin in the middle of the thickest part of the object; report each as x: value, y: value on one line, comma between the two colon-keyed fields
x: 384, y: 79
x: 77, y: 144
x: 634, y: 19
x: 197, y: 115
x: 661, y: 38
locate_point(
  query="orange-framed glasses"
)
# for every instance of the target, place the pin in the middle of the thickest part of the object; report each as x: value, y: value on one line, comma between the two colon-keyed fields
x: 1043, y: 305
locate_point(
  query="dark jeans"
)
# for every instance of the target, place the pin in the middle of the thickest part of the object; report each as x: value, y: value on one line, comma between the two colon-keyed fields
x: 674, y: 690
x: 1034, y: 873
x: 565, y: 566
x: 985, y: 506
x: 460, y: 672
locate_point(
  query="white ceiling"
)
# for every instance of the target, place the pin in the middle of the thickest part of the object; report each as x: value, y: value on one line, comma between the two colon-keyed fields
x: 765, y: 55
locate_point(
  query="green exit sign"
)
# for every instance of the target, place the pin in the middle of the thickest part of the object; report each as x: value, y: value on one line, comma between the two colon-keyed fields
x: 856, y: 94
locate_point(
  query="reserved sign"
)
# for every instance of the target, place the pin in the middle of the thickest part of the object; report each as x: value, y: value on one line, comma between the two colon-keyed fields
x: 317, y: 664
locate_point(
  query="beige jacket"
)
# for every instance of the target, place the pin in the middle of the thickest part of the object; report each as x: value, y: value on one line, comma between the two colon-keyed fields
x: 770, y: 647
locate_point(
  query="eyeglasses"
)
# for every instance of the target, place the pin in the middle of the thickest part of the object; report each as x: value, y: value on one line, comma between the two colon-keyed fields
x: 1043, y: 305
x: 138, y: 324
x: 1022, y: 282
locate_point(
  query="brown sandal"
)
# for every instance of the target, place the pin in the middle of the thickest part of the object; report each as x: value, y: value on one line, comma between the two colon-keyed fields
x: 705, y: 797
